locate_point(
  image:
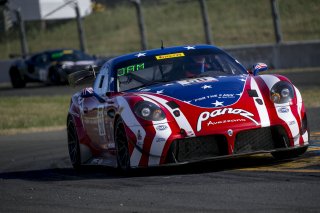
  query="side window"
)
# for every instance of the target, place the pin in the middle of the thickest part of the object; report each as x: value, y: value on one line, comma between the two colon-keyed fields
x: 101, y: 84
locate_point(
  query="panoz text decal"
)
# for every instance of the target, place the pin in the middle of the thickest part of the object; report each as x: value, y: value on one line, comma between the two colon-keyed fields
x: 204, y: 116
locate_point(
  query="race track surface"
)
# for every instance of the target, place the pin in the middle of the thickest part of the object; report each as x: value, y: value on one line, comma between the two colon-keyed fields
x: 36, y: 176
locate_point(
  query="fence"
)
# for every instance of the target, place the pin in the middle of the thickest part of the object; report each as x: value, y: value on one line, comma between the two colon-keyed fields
x: 115, y: 30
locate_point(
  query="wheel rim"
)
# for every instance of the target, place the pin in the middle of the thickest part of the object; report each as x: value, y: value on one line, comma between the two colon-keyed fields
x: 72, y: 144
x: 122, y: 147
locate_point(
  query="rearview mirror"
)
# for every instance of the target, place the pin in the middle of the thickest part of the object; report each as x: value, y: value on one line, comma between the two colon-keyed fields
x: 259, y: 67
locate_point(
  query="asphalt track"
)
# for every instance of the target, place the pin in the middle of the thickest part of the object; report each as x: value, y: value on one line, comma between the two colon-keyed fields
x: 36, y: 176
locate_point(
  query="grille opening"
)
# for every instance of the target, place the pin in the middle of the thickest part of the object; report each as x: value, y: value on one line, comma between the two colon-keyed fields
x: 262, y: 139
x: 197, y: 148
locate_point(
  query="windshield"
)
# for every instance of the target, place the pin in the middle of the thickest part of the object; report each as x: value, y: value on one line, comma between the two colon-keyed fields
x: 148, y: 70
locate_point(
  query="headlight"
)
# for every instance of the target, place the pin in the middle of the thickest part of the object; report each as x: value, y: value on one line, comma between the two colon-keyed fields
x: 282, y: 92
x: 149, y: 111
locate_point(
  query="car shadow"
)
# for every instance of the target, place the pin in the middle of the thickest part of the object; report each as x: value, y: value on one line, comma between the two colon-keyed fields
x: 99, y: 172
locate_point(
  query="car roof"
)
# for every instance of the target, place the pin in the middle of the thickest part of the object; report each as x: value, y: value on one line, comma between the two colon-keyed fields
x: 160, y: 51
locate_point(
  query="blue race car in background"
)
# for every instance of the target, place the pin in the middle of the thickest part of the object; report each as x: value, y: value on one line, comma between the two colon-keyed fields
x: 50, y: 67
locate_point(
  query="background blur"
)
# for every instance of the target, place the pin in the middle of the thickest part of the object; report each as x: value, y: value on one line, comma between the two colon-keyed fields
x: 112, y: 27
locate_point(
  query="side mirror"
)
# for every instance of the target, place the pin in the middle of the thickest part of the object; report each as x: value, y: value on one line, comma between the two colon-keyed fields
x: 259, y: 67
x: 88, y: 92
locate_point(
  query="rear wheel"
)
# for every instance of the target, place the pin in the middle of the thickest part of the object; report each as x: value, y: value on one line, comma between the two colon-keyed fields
x: 16, y: 79
x: 73, y: 145
x: 289, y: 153
x: 123, y: 158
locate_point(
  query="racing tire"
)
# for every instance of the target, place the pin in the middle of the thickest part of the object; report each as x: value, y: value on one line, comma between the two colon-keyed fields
x: 73, y: 145
x: 287, y: 154
x: 54, y: 77
x: 123, y: 157
x: 16, y: 80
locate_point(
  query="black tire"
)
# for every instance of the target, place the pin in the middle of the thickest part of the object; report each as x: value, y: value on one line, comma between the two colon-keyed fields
x: 73, y: 145
x: 287, y: 154
x: 54, y: 76
x: 120, y: 137
x: 16, y: 79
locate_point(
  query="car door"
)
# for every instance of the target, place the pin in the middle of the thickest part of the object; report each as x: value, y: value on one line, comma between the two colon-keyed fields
x: 96, y: 116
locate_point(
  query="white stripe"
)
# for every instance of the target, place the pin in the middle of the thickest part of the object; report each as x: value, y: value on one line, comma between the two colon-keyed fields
x: 160, y: 138
x: 134, y: 125
x: 299, y: 100
x: 288, y: 117
x: 305, y: 137
x: 181, y: 120
x: 269, y: 80
x: 262, y: 109
x: 291, y: 122
x: 158, y: 144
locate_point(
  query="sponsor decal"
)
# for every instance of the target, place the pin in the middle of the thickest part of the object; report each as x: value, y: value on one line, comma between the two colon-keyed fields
x: 291, y: 123
x: 161, y: 127
x: 101, y: 126
x: 43, y: 74
x: 230, y: 132
x: 139, y: 137
x: 129, y: 69
x: 196, y: 80
x: 211, y: 123
x: 226, y: 96
x: 90, y: 121
x: 160, y: 140
x: 67, y: 51
x: 204, y: 116
x: 259, y: 101
x: 145, y: 90
x: 283, y: 110
x: 174, y: 55
x: 221, y: 96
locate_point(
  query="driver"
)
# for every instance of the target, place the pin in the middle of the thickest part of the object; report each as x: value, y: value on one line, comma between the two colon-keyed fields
x: 195, y: 66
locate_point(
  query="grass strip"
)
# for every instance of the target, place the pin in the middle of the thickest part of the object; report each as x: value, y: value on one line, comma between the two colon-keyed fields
x: 33, y: 112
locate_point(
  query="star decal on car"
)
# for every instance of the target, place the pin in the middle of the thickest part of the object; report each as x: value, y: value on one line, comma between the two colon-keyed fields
x: 218, y: 103
x: 190, y: 48
x: 206, y: 87
x: 140, y: 55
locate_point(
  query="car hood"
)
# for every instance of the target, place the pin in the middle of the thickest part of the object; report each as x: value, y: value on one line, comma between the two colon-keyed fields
x: 209, y: 92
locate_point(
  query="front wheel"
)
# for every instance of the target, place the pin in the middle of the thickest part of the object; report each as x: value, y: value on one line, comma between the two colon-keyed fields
x: 123, y: 157
x: 16, y: 80
x: 73, y: 145
x: 287, y: 154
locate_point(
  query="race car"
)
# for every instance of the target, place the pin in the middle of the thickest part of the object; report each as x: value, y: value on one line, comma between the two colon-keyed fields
x: 183, y: 104
x: 50, y: 67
